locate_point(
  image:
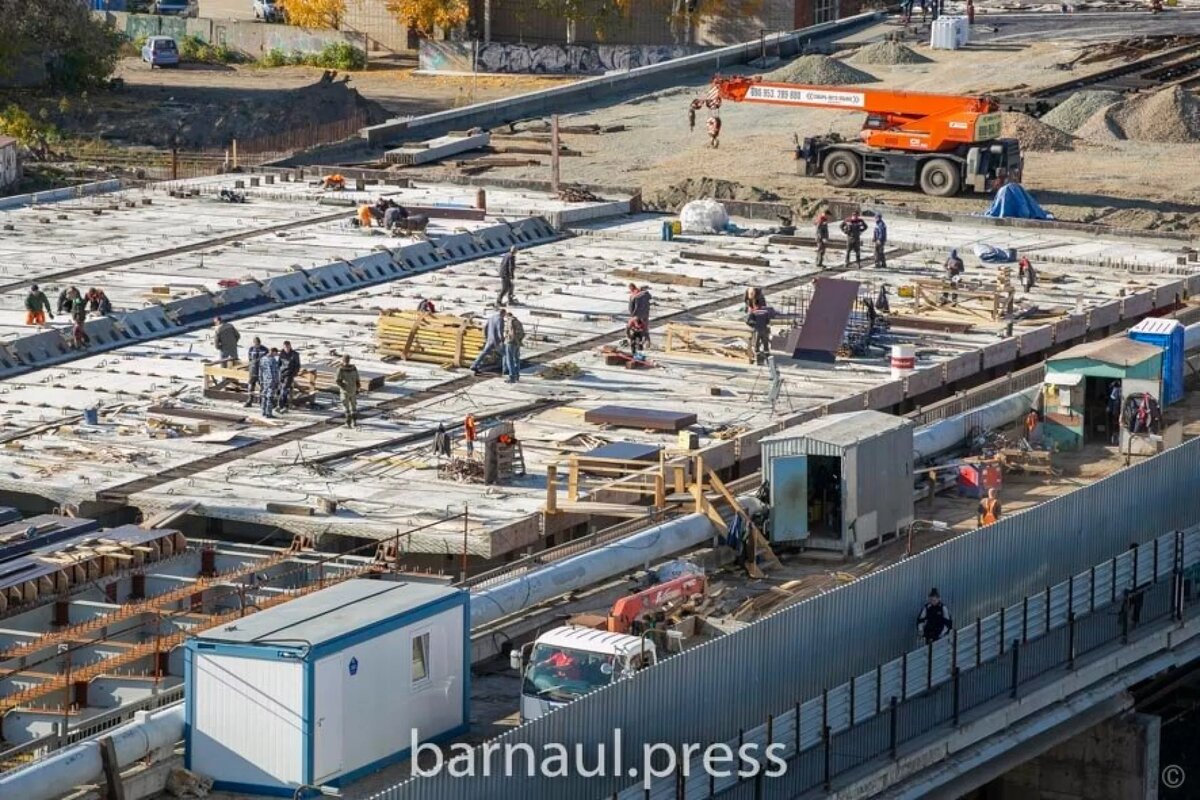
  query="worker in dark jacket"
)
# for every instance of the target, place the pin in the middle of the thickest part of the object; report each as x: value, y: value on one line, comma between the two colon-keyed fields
x: 854, y: 227
x: 254, y: 357
x: 639, y: 305
x: 822, y: 234
x: 268, y: 376
x: 493, y: 339
x: 98, y: 302
x: 346, y: 380
x: 954, y: 270
x: 508, y: 274
x: 934, y: 621
x: 37, y: 306
x: 1026, y: 273
x: 759, y: 320
x: 753, y: 298
x: 879, y: 237
x: 289, y: 370
x: 225, y: 337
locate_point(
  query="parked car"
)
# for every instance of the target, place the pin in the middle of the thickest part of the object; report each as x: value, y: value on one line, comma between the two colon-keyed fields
x: 172, y: 7
x: 160, y: 51
x: 268, y: 11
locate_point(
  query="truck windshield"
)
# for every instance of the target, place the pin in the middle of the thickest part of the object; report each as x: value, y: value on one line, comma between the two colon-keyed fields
x: 562, y: 674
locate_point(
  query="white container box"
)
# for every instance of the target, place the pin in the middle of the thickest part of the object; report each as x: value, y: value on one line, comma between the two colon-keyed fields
x: 327, y: 688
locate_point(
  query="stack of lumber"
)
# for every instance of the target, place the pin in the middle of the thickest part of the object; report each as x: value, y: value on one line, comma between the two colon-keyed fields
x: 431, y: 338
x: 724, y: 342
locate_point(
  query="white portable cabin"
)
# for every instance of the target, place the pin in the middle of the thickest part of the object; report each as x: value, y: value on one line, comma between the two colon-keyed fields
x: 328, y: 687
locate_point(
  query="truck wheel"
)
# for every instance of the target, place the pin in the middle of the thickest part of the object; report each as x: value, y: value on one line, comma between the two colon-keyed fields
x: 940, y: 177
x: 842, y: 169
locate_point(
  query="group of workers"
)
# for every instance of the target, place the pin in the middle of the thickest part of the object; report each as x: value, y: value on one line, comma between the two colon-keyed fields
x: 389, y: 215
x: 852, y: 227
x: 71, y: 303
x: 272, y: 372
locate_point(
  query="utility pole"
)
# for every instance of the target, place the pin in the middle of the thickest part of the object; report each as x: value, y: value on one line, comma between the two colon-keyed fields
x: 487, y: 21
x: 554, y: 154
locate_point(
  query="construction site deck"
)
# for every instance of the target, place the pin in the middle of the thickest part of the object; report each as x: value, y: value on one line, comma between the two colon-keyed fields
x: 158, y: 249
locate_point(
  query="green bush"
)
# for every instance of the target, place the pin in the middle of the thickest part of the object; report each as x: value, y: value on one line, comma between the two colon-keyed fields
x: 274, y: 58
x: 340, y: 55
x: 193, y: 48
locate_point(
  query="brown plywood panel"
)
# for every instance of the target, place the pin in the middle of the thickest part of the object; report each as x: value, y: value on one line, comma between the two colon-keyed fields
x: 825, y: 322
x: 630, y: 417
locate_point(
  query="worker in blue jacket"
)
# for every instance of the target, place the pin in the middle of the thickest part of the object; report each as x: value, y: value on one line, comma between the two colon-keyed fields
x: 493, y: 332
x: 879, y: 236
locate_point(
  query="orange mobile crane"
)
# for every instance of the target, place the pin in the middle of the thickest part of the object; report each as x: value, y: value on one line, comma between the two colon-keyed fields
x: 942, y: 143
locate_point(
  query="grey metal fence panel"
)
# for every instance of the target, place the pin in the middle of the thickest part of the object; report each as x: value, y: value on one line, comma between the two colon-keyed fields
x: 1191, y: 551
x: 1012, y: 623
x: 800, y: 650
x: 864, y: 696
x: 838, y: 710
x: 943, y: 660
x: 810, y: 723
x: 890, y: 679
x: 1059, y: 597
x: 1166, y: 555
x: 914, y: 679
x: 989, y: 638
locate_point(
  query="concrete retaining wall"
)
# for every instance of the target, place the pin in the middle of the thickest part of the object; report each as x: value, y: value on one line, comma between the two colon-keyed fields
x: 56, y: 195
x: 546, y: 101
x: 544, y: 59
x: 250, y: 38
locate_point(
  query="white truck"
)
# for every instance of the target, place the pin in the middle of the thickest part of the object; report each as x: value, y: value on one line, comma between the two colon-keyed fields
x: 568, y: 662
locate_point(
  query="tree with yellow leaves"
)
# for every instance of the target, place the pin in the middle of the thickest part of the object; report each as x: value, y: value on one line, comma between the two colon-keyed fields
x: 424, y: 16
x: 314, y: 13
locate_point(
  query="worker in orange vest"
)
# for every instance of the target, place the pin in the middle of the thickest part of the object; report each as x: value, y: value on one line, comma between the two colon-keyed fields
x: 989, y: 509
x: 1031, y: 423
x: 469, y: 434
x: 713, y: 126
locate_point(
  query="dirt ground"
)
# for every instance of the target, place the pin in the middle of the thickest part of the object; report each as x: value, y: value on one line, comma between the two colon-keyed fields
x: 1129, y: 184
x: 209, y: 105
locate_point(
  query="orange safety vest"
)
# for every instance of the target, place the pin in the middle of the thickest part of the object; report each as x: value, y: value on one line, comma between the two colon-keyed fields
x: 989, y: 511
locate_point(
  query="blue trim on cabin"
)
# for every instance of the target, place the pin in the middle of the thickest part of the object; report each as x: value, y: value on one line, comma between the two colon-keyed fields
x: 385, y: 626
x: 253, y: 788
x: 308, y: 758
x: 189, y: 705
x: 346, y: 778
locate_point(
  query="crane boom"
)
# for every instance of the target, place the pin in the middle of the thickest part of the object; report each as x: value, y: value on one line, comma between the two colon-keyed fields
x: 898, y: 120
x: 941, y: 142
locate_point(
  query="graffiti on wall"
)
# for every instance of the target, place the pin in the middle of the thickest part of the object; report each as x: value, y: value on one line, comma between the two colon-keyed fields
x: 544, y: 59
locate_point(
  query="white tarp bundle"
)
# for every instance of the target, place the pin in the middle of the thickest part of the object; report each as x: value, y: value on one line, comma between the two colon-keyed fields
x: 703, y: 216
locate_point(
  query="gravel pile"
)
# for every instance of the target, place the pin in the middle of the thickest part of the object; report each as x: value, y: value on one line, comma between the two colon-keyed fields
x: 1170, y: 115
x: 889, y: 53
x: 1033, y: 134
x: 819, y: 71
x: 1070, y: 114
x: 673, y: 197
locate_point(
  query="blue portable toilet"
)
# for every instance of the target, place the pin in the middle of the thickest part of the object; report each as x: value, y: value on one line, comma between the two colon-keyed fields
x: 1167, y: 334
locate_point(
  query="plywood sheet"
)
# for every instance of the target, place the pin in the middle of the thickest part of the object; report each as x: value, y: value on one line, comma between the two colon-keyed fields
x: 631, y: 417
x: 820, y: 337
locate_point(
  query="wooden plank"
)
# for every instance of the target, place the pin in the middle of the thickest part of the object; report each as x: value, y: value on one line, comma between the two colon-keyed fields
x: 196, y: 413
x: 605, y: 509
x: 291, y: 509
x: 649, y: 418
x: 669, y: 278
x: 723, y: 258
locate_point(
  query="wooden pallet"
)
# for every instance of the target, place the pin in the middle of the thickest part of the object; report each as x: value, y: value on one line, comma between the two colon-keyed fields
x: 725, y: 342
x: 430, y: 338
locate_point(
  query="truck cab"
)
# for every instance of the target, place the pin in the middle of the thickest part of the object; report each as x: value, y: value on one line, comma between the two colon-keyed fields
x: 566, y: 663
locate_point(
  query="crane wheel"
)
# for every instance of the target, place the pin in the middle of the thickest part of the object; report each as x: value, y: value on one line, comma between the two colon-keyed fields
x: 940, y: 177
x: 842, y: 169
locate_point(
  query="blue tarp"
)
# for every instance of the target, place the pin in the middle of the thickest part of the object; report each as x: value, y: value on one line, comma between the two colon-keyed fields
x: 1013, y: 201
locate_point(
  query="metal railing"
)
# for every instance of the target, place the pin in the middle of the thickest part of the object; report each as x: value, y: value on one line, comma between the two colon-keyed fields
x: 21, y: 754
x: 872, y: 715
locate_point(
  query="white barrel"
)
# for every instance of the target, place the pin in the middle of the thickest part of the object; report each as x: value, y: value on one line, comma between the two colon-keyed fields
x: 904, y: 360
